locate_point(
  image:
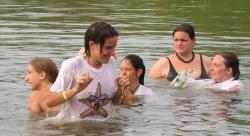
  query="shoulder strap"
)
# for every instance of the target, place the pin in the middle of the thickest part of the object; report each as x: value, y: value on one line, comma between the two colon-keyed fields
x: 203, y: 74
x: 172, y: 72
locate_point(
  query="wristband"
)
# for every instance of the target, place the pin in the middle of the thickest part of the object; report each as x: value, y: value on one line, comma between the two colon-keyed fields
x: 65, y: 96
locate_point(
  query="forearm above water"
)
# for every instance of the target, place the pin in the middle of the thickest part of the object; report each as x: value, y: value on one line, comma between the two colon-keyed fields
x: 55, y: 99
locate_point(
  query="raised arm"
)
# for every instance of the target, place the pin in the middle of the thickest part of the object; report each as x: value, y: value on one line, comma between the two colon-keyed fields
x: 57, y: 98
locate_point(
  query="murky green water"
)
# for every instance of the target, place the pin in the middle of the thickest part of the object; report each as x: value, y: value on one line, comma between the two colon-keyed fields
x: 31, y: 28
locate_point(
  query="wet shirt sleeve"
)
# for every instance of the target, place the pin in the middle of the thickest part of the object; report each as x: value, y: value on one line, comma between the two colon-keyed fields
x: 65, y: 79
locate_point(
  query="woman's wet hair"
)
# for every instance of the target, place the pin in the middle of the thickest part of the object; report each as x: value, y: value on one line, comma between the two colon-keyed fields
x: 185, y: 28
x: 98, y: 32
x: 44, y: 64
x: 137, y: 63
x: 231, y: 61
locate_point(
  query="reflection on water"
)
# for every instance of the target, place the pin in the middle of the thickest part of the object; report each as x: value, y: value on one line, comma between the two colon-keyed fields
x: 31, y: 28
x: 76, y: 128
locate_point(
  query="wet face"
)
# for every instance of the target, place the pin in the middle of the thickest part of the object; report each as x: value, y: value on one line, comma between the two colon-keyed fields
x: 108, y: 49
x: 182, y: 42
x: 33, y: 78
x: 127, y: 69
x: 219, y: 72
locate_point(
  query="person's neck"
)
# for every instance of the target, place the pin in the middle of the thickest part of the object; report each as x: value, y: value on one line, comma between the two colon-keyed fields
x: 185, y: 57
x: 45, y: 86
x: 134, y: 87
x: 92, y: 62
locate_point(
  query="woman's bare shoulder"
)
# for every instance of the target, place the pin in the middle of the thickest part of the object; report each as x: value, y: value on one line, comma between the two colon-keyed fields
x: 207, y: 58
x: 159, y: 69
x: 162, y: 62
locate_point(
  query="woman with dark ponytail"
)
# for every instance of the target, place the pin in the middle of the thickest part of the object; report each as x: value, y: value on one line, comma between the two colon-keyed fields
x: 133, y: 68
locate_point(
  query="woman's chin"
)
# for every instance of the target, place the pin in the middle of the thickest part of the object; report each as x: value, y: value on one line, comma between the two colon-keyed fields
x: 105, y: 60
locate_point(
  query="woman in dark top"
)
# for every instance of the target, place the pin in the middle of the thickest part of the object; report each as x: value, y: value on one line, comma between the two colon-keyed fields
x: 184, y: 58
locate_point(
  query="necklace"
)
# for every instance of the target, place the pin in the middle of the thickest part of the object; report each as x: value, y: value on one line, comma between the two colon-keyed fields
x: 133, y: 90
x: 185, y: 61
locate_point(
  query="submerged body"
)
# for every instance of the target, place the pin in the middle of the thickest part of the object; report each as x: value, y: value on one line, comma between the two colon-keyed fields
x: 224, y: 75
x: 184, y: 57
x: 41, y: 74
x: 229, y: 85
x: 133, y: 68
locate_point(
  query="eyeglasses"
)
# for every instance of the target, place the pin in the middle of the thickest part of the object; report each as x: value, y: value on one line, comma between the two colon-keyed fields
x: 93, y: 97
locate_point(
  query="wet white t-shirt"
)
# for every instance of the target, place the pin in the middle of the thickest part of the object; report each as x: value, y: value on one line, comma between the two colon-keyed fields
x: 143, y: 90
x: 227, y: 85
x: 210, y: 84
x: 94, y: 102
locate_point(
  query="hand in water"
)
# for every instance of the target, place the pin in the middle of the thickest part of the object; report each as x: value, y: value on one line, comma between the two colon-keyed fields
x: 235, y: 89
x: 83, y: 81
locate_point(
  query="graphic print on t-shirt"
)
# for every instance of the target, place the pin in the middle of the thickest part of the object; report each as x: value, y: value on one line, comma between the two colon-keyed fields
x: 95, y: 103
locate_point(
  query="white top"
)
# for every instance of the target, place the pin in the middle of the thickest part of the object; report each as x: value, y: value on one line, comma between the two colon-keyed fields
x: 142, y: 90
x: 210, y: 84
x: 102, y: 88
x: 227, y: 85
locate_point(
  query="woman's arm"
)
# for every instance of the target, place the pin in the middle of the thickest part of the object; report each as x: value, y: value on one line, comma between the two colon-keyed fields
x: 34, y: 103
x: 57, y: 98
x: 160, y: 69
x: 235, y: 89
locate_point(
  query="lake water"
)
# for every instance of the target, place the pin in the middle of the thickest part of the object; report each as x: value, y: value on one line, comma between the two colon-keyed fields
x: 32, y: 28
